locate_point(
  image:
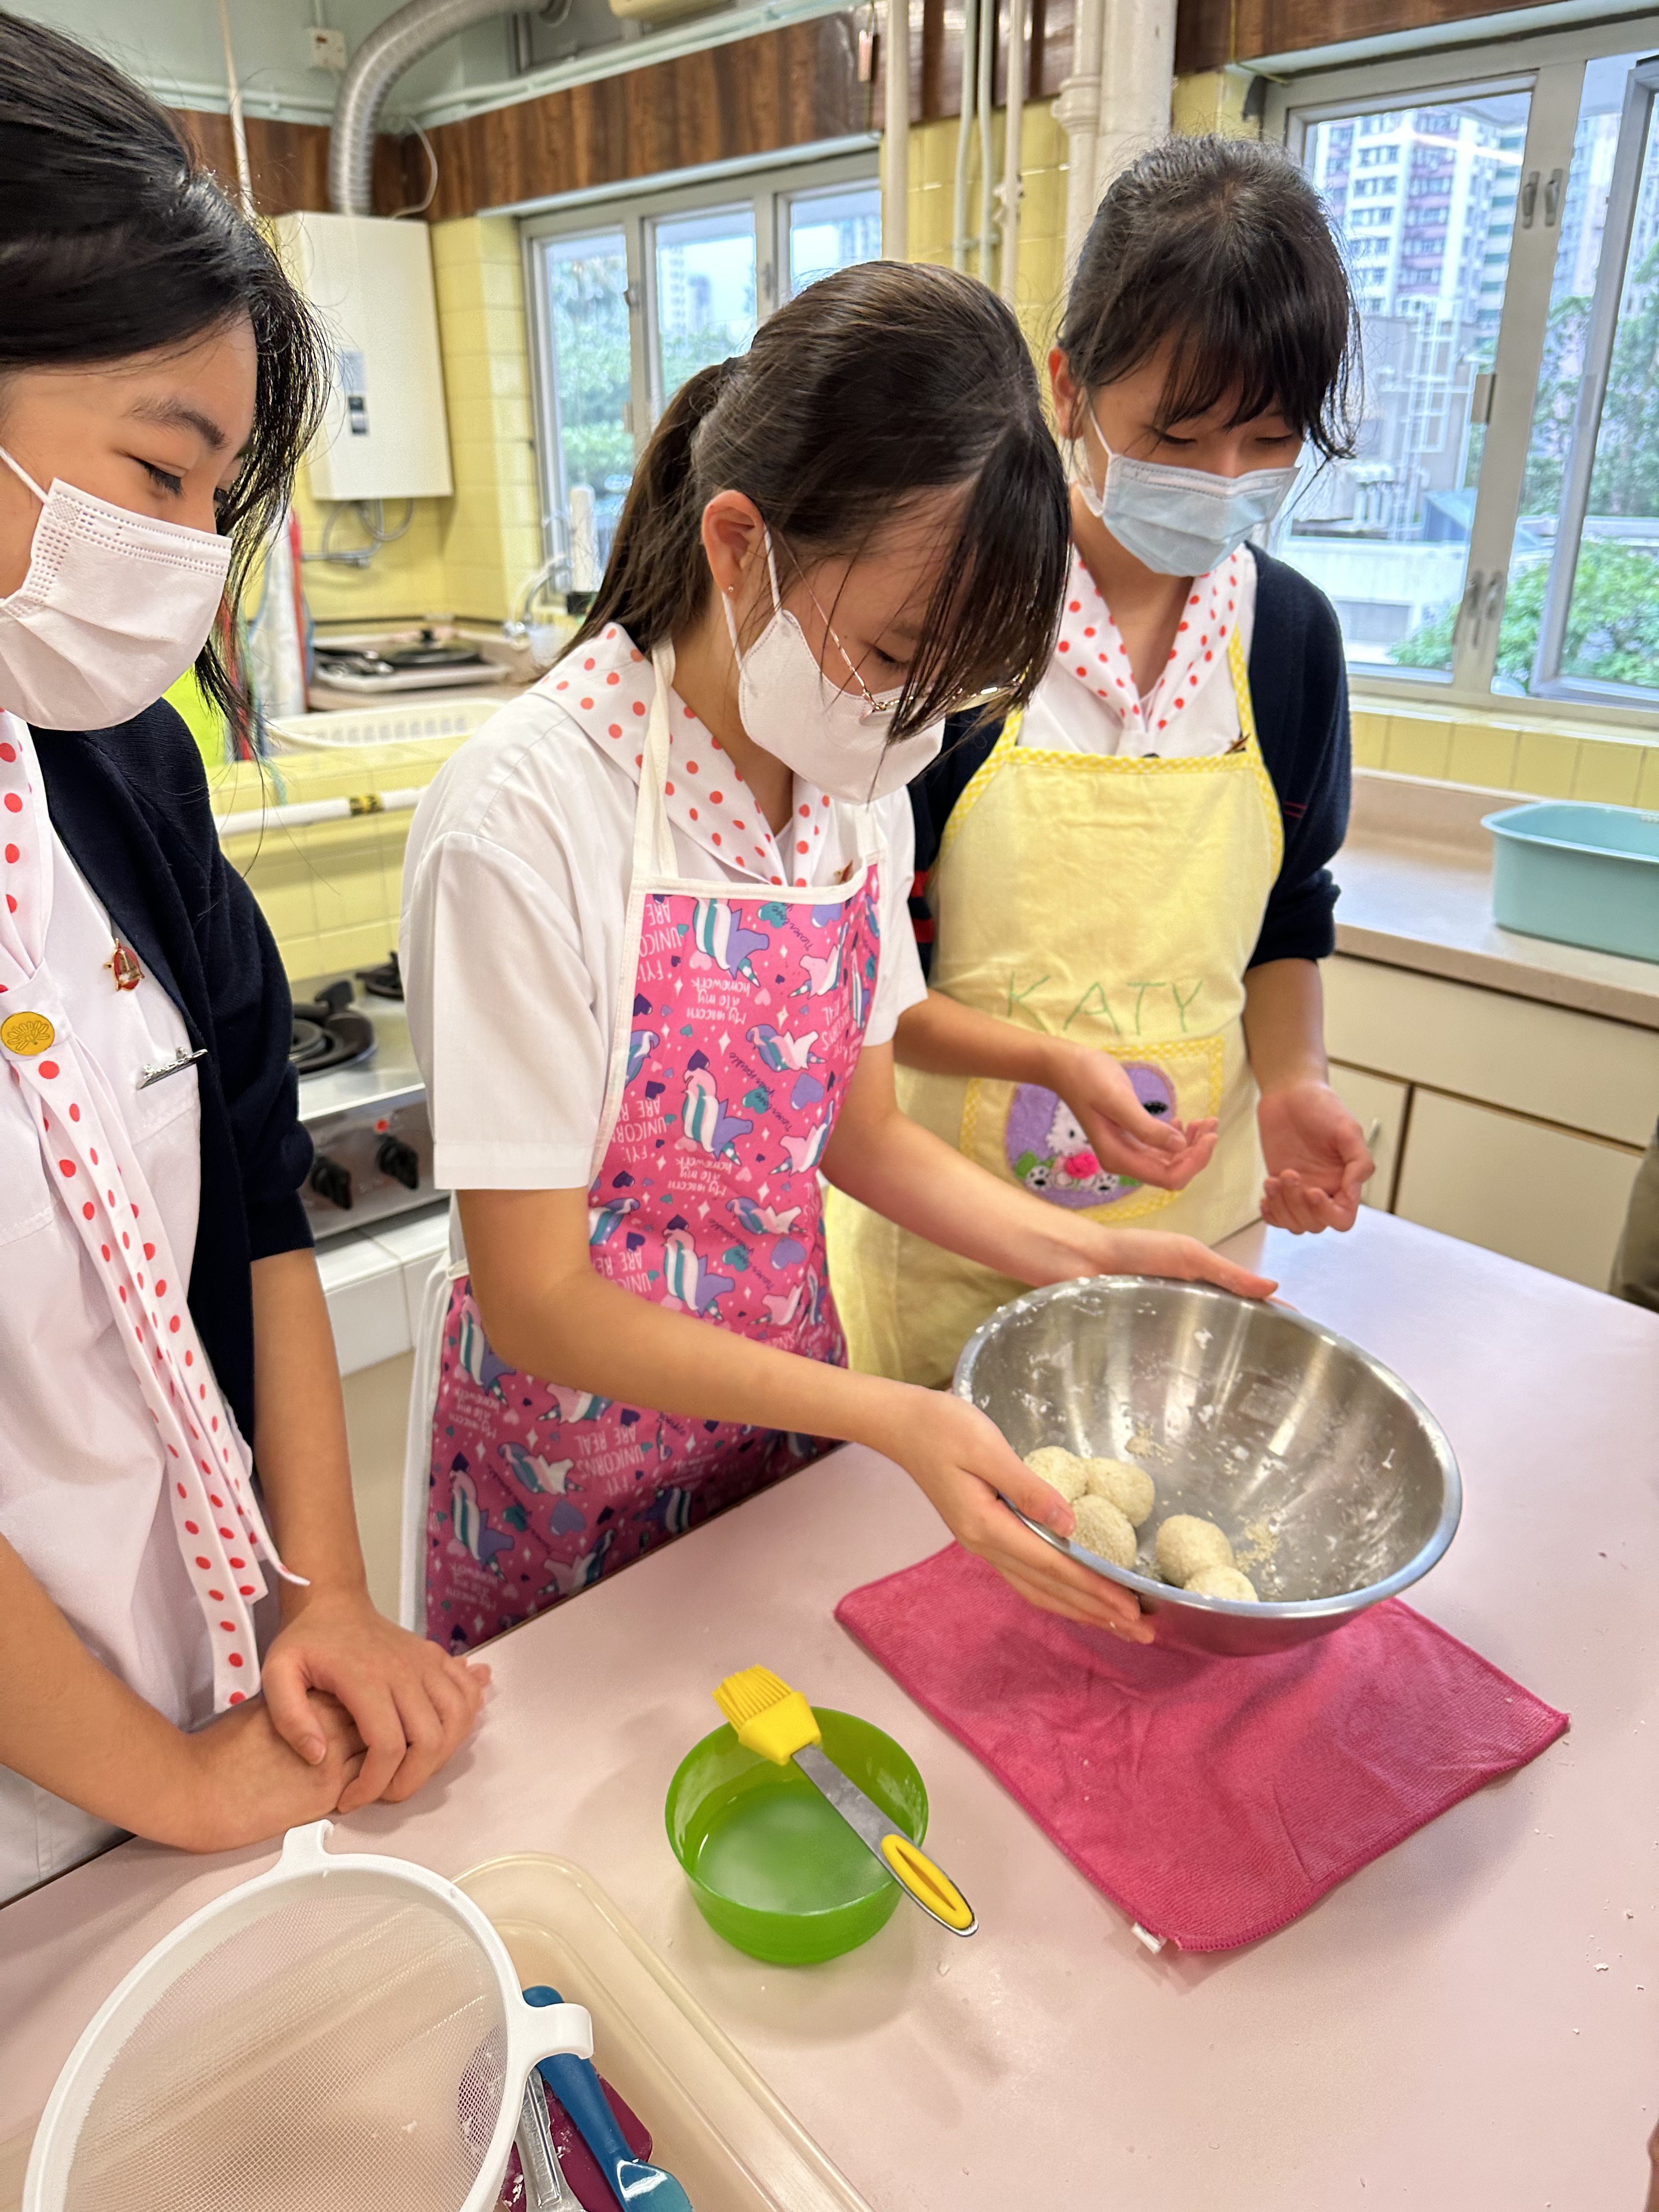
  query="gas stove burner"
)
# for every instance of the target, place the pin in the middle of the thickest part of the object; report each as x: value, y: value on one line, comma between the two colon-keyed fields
x: 335, y: 1042
x: 327, y: 1034
x: 385, y: 981
x: 427, y: 651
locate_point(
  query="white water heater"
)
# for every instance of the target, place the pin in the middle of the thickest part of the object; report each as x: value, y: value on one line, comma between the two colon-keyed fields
x: 385, y: 434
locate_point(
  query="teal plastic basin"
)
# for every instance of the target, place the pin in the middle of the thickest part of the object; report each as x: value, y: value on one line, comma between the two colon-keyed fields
x: 773, y: 1867
x: 1578, y: 875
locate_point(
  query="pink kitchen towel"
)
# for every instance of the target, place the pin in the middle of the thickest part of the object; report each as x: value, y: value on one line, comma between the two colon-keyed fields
x: 1211, y: 1799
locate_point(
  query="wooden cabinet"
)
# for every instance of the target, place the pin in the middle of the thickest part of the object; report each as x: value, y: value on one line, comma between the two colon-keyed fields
x: 1538, y: 1194
x: 1578, y: 1070
x: 1502, y: 1120
x: 1379, y: 1105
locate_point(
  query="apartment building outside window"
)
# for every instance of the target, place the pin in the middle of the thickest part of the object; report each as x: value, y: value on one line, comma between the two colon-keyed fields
x: 1498, y: 530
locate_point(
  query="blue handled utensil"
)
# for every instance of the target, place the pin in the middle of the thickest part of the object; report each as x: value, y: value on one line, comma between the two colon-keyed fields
x: 637, y: 2186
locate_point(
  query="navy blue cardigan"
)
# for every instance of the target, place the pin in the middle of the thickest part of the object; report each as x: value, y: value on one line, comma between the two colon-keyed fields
x: 1299, y: 691
x: 131, y: 804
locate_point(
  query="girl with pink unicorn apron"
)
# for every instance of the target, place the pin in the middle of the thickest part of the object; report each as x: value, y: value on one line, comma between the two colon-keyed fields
x: 656, y: 946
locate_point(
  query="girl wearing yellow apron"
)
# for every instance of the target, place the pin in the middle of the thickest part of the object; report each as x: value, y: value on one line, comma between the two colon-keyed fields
x: 1126, y: 889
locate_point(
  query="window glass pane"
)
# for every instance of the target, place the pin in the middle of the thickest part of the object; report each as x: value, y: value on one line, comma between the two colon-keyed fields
x: 1424, y: 198
x: 832, y: 229
x: 705, y: 291
x: 586, y: 281
x: 1612, y: 616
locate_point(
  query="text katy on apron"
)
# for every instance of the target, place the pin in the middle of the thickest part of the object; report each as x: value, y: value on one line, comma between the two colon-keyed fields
x: 737, y: 1027
x: 1113, y: 898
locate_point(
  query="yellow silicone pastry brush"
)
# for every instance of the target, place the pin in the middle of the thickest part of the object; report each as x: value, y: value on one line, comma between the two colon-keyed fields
x: 769, y: 1717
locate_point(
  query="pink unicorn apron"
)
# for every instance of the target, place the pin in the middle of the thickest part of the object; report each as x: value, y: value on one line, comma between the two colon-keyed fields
x: 738, y: 1026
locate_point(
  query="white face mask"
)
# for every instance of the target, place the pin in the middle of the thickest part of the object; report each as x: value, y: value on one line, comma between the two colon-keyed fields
x: 834, y: 739
x: 1181, y: 522
x: 114, y: 608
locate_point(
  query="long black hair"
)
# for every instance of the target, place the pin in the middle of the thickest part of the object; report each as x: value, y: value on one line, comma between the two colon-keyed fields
x: 113, y: 242
x: 876, y: 384
x: 1221, y: 247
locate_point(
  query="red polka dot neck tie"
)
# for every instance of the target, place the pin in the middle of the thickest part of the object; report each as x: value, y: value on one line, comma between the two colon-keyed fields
x: 96, y: 1175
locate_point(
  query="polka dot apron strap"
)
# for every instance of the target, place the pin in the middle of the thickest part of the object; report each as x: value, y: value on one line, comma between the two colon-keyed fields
x: 95, y: 1173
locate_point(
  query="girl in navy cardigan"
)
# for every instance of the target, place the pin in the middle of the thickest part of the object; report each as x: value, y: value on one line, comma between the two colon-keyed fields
x: 1126, y: 894
x: 186, y: 1650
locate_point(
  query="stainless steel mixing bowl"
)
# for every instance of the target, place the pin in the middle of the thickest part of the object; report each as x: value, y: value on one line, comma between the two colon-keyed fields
x: 1336, y: 1484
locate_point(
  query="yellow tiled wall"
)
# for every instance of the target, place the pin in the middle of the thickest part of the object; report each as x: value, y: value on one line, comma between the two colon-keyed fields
x: 1212, y: 100
x: 406, y: 578
x: 1040, y: 286
x: 1542, y: 758
x: 467, y: 554
x: 492, y: 540
x: 331, y: 890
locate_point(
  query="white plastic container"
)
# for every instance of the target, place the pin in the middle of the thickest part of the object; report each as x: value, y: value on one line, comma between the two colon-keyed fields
x: 714, y: 2124
x: 408, y: 722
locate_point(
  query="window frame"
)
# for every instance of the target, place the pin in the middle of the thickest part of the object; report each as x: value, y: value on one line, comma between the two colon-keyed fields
x: 555, y: 516
x: 1551, y: 67
x: 783, y: 200
x: 1636, y: 121
x: 767, y: 187
x: 708, y: 200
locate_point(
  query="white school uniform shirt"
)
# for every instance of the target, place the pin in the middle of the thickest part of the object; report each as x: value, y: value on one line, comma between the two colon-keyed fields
x: 1087, y: 702
x: 83, y: 1497
x: 515, y: 893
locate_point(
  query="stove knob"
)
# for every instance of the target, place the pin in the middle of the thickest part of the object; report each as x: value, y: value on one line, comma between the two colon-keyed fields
x: 400, y: 1161
x: 332, y: 1181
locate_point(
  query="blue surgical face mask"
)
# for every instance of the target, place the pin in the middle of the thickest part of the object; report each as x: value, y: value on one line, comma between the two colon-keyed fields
x: 1181, y: 522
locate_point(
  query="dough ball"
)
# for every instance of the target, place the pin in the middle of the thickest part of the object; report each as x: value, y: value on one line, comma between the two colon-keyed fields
x: 1102, y: 1529
x: 1125, y: 1485
x: 1224, y: 1582
x: 1061, y: 1469
x: 1186, y: 1544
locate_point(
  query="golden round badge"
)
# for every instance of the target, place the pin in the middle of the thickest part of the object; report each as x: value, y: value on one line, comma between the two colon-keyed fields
x: 27, y: 1035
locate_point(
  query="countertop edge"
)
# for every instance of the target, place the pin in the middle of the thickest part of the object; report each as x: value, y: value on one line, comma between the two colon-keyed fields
x: 1492, y: 971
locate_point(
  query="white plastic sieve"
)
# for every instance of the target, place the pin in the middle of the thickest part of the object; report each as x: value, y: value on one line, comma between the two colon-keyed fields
x: 344, y: 2033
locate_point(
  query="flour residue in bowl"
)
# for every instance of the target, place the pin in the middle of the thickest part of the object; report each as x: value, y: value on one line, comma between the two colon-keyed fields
x: 1256, y: 1543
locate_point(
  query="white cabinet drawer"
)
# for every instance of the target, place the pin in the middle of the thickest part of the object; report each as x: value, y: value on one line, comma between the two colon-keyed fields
x: 374, y: 1282
x: 363, y: 1285
x: 1548, y: 1061
x: 1379, y: 1104
x: 1540, y: 1194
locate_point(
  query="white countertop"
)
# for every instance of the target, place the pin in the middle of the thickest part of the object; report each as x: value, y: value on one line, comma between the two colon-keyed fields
x: 1437, y: 2031
x: 1416, y: 878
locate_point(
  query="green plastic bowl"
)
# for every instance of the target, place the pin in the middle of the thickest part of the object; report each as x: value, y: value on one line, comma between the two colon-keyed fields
x: 774, y: 1869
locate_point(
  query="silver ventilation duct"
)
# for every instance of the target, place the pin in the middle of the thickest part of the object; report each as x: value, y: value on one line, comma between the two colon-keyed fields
x: 390, y: 48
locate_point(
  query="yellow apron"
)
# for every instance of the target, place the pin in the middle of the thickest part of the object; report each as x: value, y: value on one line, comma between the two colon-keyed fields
x: 1114, y: 901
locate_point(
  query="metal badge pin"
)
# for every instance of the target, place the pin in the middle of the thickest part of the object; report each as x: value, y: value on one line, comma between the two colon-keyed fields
x: 163, y: 1068
x: 123, y: 964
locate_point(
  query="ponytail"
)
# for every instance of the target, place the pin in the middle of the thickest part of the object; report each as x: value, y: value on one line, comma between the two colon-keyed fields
x: 875, y: 386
